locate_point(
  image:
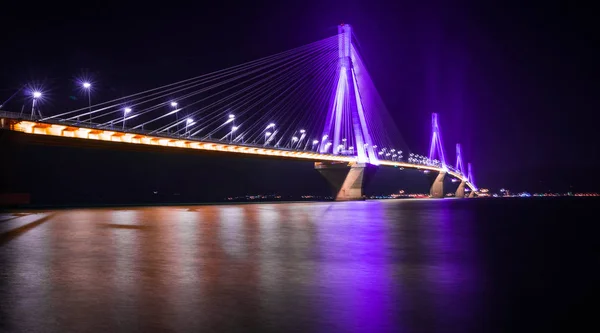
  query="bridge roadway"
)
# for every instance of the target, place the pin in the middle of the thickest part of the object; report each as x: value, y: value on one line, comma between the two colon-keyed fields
x: 79, y: 130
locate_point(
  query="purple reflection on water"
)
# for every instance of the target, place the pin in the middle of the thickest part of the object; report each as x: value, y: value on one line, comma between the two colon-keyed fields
x: 355, y: 275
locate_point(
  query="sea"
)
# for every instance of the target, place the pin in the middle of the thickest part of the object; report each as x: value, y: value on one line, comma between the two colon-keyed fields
x: 403, y: 265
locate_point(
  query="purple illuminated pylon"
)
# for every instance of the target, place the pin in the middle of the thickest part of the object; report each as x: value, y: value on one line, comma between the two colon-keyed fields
x: 470, y: 175
x: 459, y: 163
x: 347, y: 104
x: 436, y: 141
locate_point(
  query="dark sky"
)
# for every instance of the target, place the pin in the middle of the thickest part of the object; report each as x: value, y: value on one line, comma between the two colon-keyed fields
x: 515, y: 82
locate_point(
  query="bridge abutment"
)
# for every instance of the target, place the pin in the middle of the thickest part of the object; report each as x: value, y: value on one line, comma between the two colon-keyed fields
x: 347, y: 180
x: 460, y: 191
x: 437, y: 188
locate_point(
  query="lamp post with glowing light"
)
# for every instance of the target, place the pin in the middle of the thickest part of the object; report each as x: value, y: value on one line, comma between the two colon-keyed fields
x: 314, y: 144
x: 88, y: 86
x: 36, y: 95
x: 233, y: 129
x: 231, y: 119
x: 174, y: 106
x: 268, y: 133
x: 188, y: 122
x: 125, y: 112
x: 302, y: 136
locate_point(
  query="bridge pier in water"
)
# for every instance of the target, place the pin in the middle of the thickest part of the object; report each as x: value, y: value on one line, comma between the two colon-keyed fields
x: 437, y: 188
x: 460, y: 191
x: 347, y: 180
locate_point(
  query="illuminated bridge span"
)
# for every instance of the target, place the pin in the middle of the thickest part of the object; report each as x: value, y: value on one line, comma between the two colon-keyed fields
x: 316, y: 102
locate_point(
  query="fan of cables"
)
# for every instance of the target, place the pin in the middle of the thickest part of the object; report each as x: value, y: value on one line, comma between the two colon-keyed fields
x: 282, y: 101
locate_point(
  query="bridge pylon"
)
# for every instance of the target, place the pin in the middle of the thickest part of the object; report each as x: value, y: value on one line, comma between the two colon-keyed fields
x: 471, y: 180
x: 460, y: 191
x: 436, y: 150
x: 347, y: 180
x: 347, y: 104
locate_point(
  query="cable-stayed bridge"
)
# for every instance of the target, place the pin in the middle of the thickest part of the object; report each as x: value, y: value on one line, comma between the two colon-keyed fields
x: 315, y: 102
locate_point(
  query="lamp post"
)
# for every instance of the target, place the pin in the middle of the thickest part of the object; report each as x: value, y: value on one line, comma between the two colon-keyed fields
x: 125, y: 112
x: 174, y: 106
x: 188, y: 122
x: 36, y: 94
x: 231, y: 119
x: 233, y: 129
x: 88, y: 86
x: 302, y: 136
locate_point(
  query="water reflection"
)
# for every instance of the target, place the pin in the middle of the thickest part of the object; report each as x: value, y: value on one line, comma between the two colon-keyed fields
x: 353, y: 267
x: 354, y: 273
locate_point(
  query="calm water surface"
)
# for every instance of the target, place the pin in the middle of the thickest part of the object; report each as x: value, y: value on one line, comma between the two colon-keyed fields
x: 481, y: 265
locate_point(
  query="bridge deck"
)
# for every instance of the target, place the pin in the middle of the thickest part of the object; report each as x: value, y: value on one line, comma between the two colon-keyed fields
x: 91, y: 132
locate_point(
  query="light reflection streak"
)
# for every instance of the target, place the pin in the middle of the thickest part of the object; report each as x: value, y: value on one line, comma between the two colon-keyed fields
x: 352, y: 239
x: 231, y: 235
x: 127, y: 258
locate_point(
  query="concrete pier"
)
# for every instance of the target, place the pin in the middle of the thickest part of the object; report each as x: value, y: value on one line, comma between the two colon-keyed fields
x: 460, y: 191
x: 347, y: 180
x: 437, y: 188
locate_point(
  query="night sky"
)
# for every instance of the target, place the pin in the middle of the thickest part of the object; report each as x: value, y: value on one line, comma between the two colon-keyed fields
x: 516, y: 83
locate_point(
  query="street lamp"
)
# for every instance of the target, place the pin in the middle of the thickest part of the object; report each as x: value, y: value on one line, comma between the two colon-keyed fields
x: 88, y: 86
x: 267, y: 135
x: 314, y: 143
x: 36, y: 94
x: 174, y: 106
x: 233, y: 129
x: 188, y: 122
x: 125, y: 112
